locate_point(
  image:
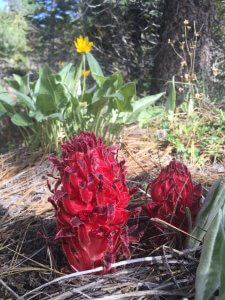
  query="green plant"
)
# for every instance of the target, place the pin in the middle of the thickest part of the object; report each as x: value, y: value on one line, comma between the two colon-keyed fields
x: 198, y: 137
x: 57, y: 105
x: 210, y: 229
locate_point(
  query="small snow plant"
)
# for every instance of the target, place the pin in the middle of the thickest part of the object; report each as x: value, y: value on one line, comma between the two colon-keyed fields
x: 173, y: 193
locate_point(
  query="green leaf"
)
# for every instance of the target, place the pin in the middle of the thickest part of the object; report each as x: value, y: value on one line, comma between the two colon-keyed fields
x: 222, y: 274
x: 94, y: 67
x: 24, y: 100
x: 48, y: 84
x: 6, y: 99
x: 20, y: 83
x: 95, y: 107
x: 70, y: 76
x: 20, y: 119
x: 209, y: 269
x: 2, y: 109
x: 78, y: 117
x: 39, y: 117
x: 140, y: 105
x: 129, y: 92
x: 46, y: 104
x: 215, y: 199
x: 100, y: 79
x: 56, y: 116
x: 109, y: 89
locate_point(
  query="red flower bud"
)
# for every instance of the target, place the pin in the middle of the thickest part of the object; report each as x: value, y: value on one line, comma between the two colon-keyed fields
x: 171, y: 193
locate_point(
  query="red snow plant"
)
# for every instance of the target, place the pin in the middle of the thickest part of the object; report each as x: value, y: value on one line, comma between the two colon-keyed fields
x: 90, y: 198
x: 172, y: 192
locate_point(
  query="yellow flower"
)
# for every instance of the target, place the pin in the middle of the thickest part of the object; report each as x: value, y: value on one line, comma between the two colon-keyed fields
x: 83, y: 45
x: 60, y: 63
x: 86, y: 73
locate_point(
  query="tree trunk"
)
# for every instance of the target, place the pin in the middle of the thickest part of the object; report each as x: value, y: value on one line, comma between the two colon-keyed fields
x: 167, y: 63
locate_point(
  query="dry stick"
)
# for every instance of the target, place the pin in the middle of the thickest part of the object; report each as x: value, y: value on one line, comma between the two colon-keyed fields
x: 9, y: 289
x: 71, y: 293
x: 152, y: 260
x: 168, y: 267
x: 164, y: 223
x: 139, y: 294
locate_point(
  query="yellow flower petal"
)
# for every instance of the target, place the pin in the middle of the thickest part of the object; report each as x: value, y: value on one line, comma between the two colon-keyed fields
x: 86, y: 73
x: 83, y: 45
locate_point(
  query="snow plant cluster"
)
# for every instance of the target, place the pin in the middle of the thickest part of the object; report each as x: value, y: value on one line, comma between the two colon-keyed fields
x: 91, y: 197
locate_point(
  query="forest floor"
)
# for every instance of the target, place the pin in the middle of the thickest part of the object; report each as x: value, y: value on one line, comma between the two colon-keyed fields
x: 32, y: 265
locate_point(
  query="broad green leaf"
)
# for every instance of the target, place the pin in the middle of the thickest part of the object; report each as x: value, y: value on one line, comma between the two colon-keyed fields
x: 23, y: 120
x: 129, y: 93
x: 117, y: 95
x: 2, y: 110
x: 140, y: 105
x: 97, y: 106
x: 39, y: 117
x: 100, y: 79
x: 94, y: 67
x: 65, y: 71
x: 46, y: 104
x: 215, y: 199
x: 48, y: 84
x: 222, y: 274
x: 61, y: 99
x: 209, y: 269
x: 24, y: 100
x: 116, y: 80
x: 56, y: 116
x: 6, y: 99
x: 109, y: 88
x: 20, y: 83
x: 71, y: 76
x: 13, y: 83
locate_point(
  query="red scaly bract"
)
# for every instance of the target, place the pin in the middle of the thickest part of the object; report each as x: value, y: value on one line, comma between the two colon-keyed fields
x: 90, y: 198
x: 171, y: 193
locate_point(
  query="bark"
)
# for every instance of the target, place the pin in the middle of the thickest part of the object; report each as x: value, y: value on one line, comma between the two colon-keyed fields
x: 167, y: 63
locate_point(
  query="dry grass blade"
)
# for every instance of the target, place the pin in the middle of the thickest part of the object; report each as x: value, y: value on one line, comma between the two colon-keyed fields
x: 141, y: 294
x: 9, y: 289
x: 73, y: 291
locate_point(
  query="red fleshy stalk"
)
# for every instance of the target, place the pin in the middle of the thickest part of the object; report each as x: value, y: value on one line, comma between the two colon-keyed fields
x: 90, y: 199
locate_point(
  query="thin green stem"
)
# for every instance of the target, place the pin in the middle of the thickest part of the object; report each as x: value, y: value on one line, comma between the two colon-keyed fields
x: 84, y: 77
